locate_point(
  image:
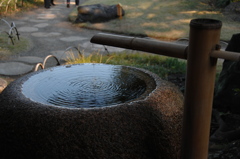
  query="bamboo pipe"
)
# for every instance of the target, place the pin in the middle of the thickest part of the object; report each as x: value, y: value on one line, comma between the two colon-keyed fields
x: 142, y: 44
x: 156, y: 47
x: 227, y: 55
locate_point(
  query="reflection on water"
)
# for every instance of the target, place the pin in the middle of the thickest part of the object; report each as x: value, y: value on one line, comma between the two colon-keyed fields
x: 85, y: 85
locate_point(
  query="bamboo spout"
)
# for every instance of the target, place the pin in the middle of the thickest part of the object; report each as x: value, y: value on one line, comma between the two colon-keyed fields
x: 142, y: 44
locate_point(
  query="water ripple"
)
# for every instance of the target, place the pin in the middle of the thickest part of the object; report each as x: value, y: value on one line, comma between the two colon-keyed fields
x: 85, y: 85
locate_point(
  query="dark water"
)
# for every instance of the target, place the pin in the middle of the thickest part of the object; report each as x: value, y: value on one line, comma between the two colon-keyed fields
x: 85, y: 85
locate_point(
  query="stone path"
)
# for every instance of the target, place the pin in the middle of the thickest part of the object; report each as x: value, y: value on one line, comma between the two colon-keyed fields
x: 50, y: 33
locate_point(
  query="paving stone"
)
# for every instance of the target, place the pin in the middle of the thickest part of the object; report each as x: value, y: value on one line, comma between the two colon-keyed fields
x: 55, y: 9
x: 15, y: 68
x: 38, y: 20
x: 41, y: 25
x: 46, y: 16
x: 46, y: 34
x: 25, y: 18
x: 19, y: 23
x: 29, y: 59
x: 27, y: 29
x: 72, y: 38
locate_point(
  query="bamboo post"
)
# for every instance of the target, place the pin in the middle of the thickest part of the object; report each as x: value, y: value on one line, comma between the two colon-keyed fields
x: 199, y: 90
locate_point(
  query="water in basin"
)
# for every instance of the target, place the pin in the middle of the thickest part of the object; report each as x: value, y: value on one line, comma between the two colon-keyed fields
x: 87, y: 85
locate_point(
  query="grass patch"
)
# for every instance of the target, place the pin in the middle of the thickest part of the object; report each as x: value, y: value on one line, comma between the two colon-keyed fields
x: 161, y: 65
x: 8, y: 49
x: 166, y: 20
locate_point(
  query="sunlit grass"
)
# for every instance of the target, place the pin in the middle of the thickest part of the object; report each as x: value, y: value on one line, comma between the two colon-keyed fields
x: 161, y: 65
x: 168, y: 20
x: 92, y: 58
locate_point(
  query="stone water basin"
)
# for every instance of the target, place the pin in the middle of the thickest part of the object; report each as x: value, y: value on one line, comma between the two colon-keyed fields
x: 91, y: 111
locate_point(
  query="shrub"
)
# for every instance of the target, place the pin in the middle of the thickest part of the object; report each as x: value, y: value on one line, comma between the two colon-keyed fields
x: 8, y: 6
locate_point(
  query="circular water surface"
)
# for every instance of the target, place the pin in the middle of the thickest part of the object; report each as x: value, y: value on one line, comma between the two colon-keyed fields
x: 88, y: 85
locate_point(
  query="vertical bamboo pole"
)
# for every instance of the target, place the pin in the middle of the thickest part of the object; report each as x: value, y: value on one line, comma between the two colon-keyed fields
x: 119, y: 10
x: 201, y: 68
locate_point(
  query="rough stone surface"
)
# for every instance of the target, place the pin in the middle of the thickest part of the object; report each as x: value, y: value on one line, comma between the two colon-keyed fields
x: 227, y: 94
x: 97, y: 13
x: 143, y: 129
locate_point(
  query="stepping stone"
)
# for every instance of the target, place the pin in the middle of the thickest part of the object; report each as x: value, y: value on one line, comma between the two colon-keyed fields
x: 45, y: 34
x: 38, y: 20
x: 41, y: 25
x: 29, y: 59
x: 46, y: 16
x: 3, y: 84
x: 25, y: 18
x: 72, y: 38
x: 15, y: 68
x: 27, y: 29
x: 19, y: 23
x: 55, y: 9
